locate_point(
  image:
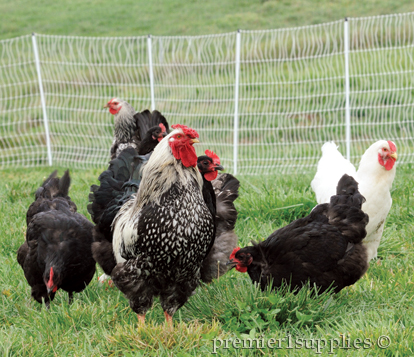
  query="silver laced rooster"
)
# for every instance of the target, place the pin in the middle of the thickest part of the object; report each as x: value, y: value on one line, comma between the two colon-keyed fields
x: 161, y: 237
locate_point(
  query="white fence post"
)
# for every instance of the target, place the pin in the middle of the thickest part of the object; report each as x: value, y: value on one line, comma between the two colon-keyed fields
x: 347, y: 108
x: 236, y: 103
x: 151, y: 72
x: 42, y: 98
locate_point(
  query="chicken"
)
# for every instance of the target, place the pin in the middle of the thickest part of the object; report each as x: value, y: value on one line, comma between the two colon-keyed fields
x: 219, y: 193
x: 375, y: 176
x: 57, y: 251
x: 119, y: 183
x: 131, y: 126
x: 53, y: 194
x: 323, y: 248
x: 161, y: 237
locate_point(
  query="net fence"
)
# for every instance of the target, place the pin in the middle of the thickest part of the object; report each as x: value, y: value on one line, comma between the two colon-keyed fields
x: 265, y: 101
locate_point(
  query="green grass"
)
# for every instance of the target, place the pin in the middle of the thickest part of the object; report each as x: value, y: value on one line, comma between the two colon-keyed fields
x: 175, y: 17
x: 100, y: 322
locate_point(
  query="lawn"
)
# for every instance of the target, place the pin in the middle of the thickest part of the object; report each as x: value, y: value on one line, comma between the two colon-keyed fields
x: 175, y: 17
x: 224, y: 315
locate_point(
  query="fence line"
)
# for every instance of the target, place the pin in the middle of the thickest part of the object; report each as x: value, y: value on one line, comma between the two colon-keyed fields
x: 347, y: 108
x: 236, y: 105
x: 265, y: 101
x: 151, y: 73
x: 42, y: 98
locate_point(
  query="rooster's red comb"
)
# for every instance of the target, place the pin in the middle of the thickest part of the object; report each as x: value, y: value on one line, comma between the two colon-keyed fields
x: 186, y: 130
x: 162, y: 127
x: 212, y: 155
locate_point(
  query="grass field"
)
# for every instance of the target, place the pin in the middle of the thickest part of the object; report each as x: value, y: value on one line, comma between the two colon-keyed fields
x: 175, y: 17
x: 100, y: 322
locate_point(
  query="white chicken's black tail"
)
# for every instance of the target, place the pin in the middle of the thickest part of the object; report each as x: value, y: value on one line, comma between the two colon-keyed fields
x: 345, y: 210
x: 347, y: 192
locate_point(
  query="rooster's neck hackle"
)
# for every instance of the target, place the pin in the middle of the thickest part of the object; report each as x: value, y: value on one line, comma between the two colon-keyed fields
x: 162, y: 171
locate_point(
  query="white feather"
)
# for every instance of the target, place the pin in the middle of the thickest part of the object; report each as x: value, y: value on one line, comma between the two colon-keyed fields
x: 331, y: 167
x: 374, y: 184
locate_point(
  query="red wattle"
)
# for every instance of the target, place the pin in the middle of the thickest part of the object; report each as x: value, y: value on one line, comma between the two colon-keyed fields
x: 389, y: 164
x: 241, y: 269
x: 210, y: 176
x: 50, y: 282
x: 186, y: 154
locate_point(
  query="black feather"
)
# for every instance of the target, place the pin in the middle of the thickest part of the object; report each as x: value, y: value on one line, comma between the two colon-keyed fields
x: 57, y: 237
x: 324, y: 248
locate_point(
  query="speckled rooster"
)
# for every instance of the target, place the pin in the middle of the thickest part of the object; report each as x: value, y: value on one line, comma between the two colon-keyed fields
x: 161, y: 237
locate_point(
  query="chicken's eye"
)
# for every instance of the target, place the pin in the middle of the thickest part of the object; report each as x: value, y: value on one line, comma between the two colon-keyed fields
x: 178, y: 136
x: 385, y: 149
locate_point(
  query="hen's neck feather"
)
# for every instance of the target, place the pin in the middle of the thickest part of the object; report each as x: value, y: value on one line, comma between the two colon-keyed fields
x: 161, y: 172
x: 125, y: 125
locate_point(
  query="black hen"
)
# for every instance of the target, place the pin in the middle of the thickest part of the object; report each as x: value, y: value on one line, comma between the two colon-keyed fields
x: 219, y: 192
x: 57, y: 252
x: 324, y: 248
x: 118, y: 185
x: 130, y: 128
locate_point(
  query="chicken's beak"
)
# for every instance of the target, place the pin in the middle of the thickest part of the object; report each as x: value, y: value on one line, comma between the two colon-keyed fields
x: 232, y: 263
x: 106, y: 105
x: 194, y: 141
x: 219, y: 167
x: 394, y: 155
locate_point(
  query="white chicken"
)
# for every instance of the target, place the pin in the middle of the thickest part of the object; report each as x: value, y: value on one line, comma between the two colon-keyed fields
x: 375, y: 176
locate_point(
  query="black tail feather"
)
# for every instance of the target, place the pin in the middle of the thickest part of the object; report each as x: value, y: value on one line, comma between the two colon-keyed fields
x: 226, y: 187
x: 52, y: 193
x: 118, y: 184
x: 226, y: 190
x: 345, y: 210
